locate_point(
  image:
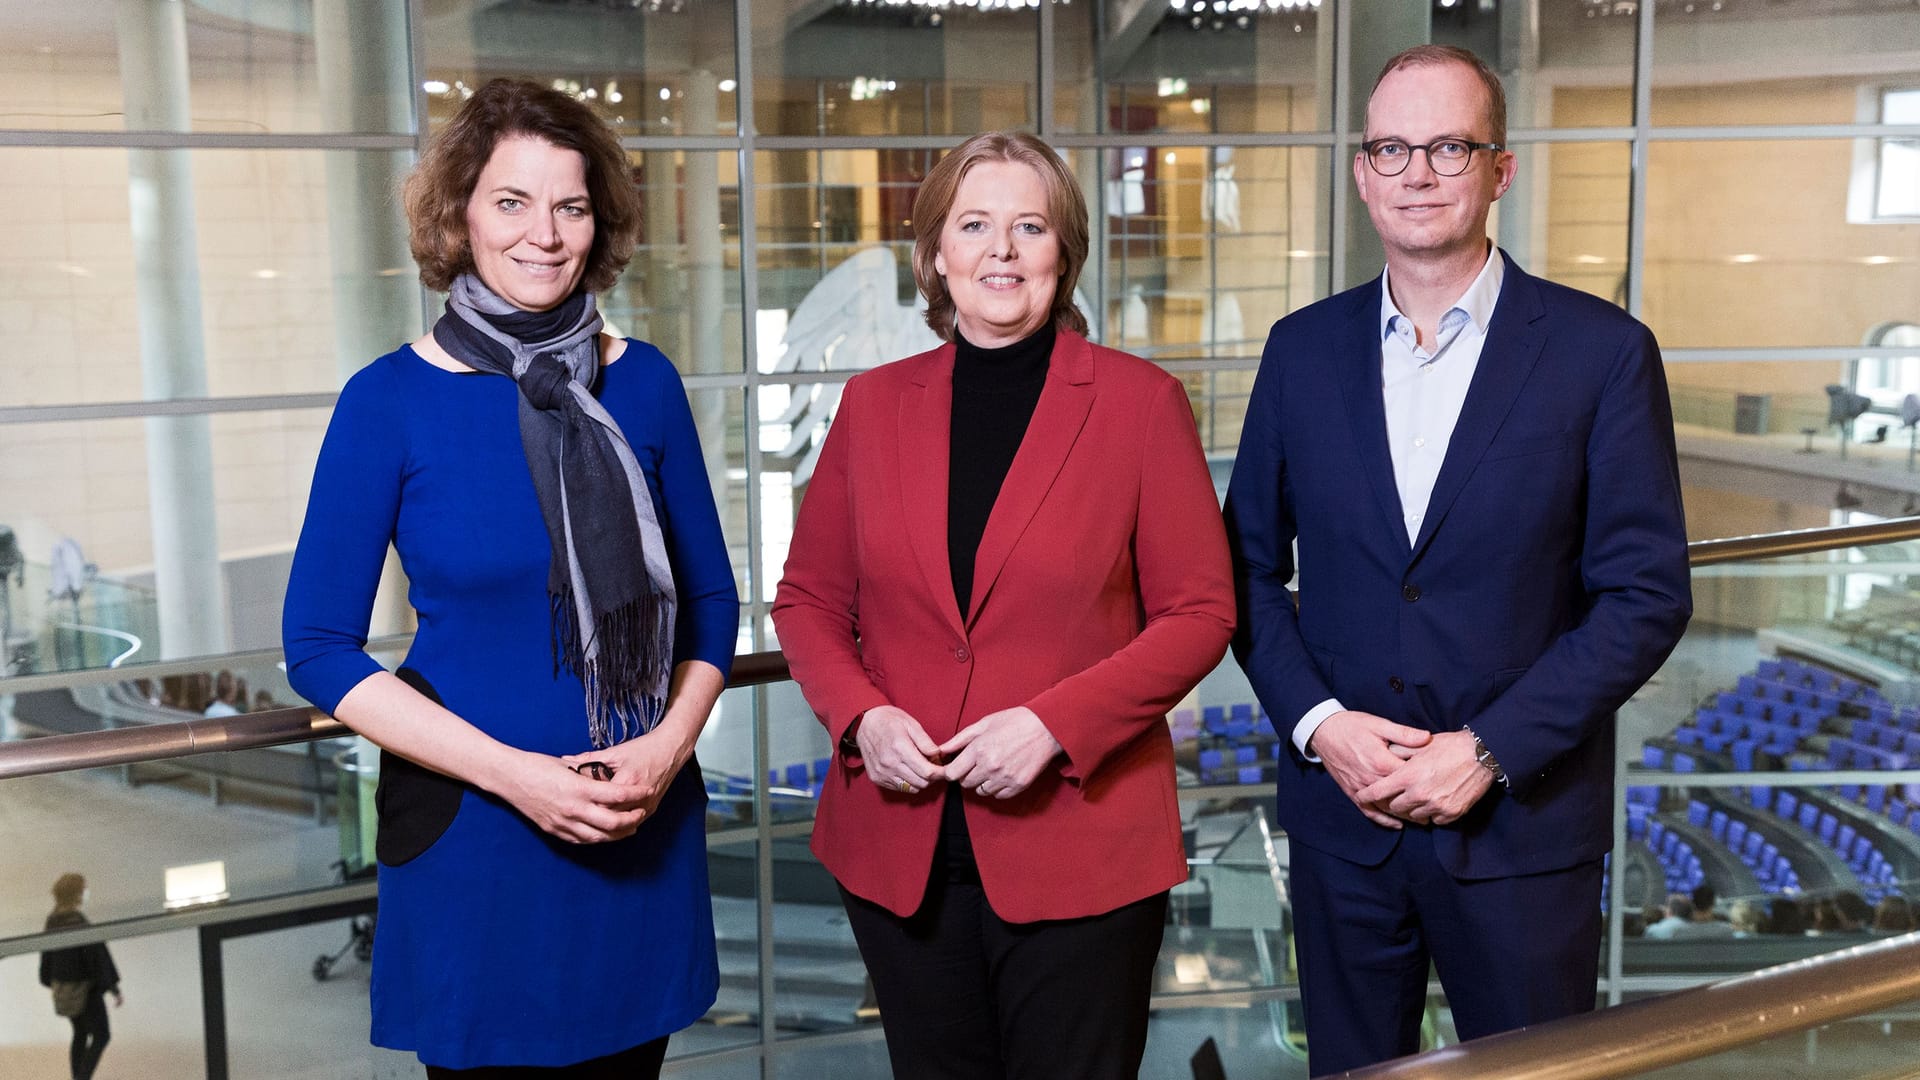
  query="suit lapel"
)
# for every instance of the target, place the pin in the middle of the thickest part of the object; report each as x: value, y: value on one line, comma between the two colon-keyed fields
x: 1513, y: 345
x: 1058, y: 418
x: 1359, y: 360
x: 926, y: 424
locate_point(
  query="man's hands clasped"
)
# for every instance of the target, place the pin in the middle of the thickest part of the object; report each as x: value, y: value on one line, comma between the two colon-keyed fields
x: 1394, y: 773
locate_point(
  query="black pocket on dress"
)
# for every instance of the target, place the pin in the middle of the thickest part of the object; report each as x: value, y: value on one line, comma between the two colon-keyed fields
x: 415, y: 803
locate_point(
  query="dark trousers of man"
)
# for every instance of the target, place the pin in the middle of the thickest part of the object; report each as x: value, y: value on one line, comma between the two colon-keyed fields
x: 1509, y: 951
x: 640, y: 1063
x: 965, y: 995
x: 90, y: 1035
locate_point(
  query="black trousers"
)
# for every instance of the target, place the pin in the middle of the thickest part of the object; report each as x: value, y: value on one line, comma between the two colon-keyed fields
x: 640, y: 1063
x: 90, y: 1036
x: 1509, y: 951
x: 965, y: 995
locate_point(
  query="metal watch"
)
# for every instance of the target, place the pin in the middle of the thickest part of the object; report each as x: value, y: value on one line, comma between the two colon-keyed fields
x: 1486, y: 759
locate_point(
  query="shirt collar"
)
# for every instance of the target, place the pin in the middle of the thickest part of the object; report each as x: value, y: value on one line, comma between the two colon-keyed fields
x: 1477, y: 302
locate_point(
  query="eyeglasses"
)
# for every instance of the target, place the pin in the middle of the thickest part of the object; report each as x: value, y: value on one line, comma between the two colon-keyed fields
x: 1446, y: 157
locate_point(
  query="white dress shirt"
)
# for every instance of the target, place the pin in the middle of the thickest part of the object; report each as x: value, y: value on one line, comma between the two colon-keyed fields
x: 1423, y: 390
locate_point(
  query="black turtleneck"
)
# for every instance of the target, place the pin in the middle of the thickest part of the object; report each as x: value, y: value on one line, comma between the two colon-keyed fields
x: 994, y: 394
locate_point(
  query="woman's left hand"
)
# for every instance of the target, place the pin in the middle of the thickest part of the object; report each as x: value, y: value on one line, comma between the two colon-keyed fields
x: 1001, y: 754
x: 647, y: 763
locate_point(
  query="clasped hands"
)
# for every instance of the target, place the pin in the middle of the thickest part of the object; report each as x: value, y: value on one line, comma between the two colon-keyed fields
x: 1395, y: 773
x: 998, y: 756
x: 559, y: 797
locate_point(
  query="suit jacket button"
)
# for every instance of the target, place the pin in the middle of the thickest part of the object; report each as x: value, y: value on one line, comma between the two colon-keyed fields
x: 1411, y: 592
x: 961, y: 654
x: 1396, y: 684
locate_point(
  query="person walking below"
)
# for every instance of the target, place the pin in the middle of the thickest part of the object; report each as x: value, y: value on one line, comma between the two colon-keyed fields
x: 87, y: 966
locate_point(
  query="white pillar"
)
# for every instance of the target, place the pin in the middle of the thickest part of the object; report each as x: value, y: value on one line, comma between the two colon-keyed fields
x: 186, y: 555
x: 706, y: 278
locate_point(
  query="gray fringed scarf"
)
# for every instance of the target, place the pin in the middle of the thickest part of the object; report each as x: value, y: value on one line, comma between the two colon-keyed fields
x: 610, y: 584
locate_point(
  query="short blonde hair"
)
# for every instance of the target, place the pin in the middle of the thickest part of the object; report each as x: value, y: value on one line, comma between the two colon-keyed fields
x: 1440, y: 55
x: 1066, y: 210
x: 438, y: 190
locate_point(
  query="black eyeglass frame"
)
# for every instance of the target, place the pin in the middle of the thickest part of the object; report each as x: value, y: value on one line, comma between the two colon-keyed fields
x: 1367, y: 148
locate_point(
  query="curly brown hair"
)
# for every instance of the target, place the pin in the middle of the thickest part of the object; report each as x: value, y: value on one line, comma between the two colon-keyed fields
x: 438, y: 190
x: 1066, y: 210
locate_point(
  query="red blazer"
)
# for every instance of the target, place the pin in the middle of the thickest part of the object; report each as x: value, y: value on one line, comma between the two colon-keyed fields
x: 1102, y: 592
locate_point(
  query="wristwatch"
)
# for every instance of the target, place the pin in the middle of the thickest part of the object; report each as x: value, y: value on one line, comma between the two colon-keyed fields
x: 849, y: 740
x: 1486, y: 759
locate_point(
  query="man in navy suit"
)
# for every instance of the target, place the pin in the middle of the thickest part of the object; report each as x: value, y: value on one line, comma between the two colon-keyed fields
x: 1478, y: 467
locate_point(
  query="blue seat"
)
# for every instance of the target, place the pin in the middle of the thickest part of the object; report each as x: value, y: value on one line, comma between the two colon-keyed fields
x: 1239, y: 727
x: 1655, y: 831
x: 1687, y: 735
x: 1759, y: 795
x: 1249, y: 774
x: 1714, y: 742
x: 1214, y: 719
x: 1246, y: 755
x: 1736, y: 832
x: 1898, y: 810
x: 1784, y: 804
x: 1851, y: 792
x: 821, y: 767
x: 1696, y: 813
x: 1809, y: 816
x: 1683, y: 763
x: 1653, y: 757
x: 1242, y: 710
x: 1876, y: 797
x: 1828, y: 823
x: 1717, y: 825
x: 1636, y: 826
x: 1210, y: 760
x: 1844, y: 838
x: 1743, y: 754
x: 1857, y: 857
x: 796, y: 775
x: 1750, y: 850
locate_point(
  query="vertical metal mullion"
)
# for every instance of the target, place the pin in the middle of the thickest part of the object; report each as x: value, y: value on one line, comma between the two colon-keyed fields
x: 1044, y: 54
x: 417, y: 56
x: 744, y: 127
x: 1637, y: 175
x: 1342, y: 141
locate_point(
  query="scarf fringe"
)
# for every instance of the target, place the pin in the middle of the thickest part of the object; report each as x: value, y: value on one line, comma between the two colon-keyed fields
x: 626, y: 683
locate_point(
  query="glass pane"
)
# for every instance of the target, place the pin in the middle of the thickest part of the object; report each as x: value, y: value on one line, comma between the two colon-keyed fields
x: 733, y: 873
x: 1582, y: 72
x: 1202, y: 67
x: 188, y: 273
x: 726, y: 752
x: 1706, y: 60
x: 1566, y: 215
x: 681, y: 291
x: 1195, y: 238
x: 647, y: 69
x: 872, y: 68
x: 218, y: 66
x: 819, y: 981
x: 1734, y: 270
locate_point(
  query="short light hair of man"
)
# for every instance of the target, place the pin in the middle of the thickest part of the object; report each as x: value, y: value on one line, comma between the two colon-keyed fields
x: 1437, y: 55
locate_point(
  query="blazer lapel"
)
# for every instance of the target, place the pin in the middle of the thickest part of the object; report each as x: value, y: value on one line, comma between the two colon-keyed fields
x: 1057, y: 421
x: 1513, y: 345
x: 1359, y: 360
x: 926, y: 424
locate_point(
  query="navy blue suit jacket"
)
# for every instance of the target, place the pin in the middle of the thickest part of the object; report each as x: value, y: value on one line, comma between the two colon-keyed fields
x: 1548, y: 582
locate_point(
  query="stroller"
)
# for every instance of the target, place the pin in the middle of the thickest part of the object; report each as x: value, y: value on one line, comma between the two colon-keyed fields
x: 354, y: 812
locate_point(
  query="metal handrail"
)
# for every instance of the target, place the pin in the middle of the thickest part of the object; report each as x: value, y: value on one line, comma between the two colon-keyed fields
x: 1685, y: 1025
x: 155, y: 742
x: 1801, y: 541
x: 141, y: 743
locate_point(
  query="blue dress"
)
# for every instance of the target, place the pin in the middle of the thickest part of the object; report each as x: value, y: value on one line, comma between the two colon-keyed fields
x: 499, y: 945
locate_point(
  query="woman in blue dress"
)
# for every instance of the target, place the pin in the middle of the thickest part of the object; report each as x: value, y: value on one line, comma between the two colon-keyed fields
x: 543, y: 885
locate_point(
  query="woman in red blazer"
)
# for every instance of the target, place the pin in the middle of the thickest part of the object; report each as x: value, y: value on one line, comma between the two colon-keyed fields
x: 1008, y: 567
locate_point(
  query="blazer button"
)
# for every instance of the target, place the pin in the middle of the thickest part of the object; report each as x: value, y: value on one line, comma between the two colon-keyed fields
x: 961, y: 654
x: 1396, y: 684
x: 1410, y: 592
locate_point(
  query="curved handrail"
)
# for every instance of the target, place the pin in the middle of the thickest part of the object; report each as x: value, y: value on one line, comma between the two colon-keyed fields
x: 1686, y: 1025
x: 133, y: 643
x: 136, y: 744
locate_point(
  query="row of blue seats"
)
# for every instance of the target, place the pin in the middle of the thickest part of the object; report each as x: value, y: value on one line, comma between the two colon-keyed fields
x: 1772, y: 869
x: 1886, y: 736
x: 1761, y: 690
x: 1857, y: 850
x: 1679, y: 864
x: 1798, y: 673
x: 1905, y: 719
x: 1730, y: 708
x: 1654, y: 757
x: 1741, y: 749
x: 1843, y: 753
x: 1238, y: 764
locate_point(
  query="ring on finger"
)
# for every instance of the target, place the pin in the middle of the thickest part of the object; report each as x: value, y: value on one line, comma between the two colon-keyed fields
x: 904, y: 786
